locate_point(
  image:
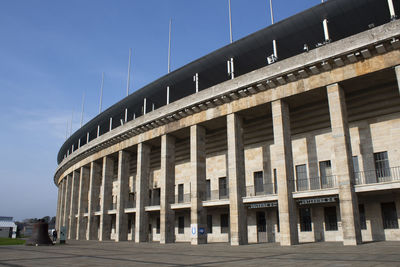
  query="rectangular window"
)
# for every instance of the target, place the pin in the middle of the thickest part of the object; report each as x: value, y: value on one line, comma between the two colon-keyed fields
x: 224, y: 223
x: 301, y: 176
x: 156, y: 195
x: 223, y: 188
x: 258, y: 183
x: 330, y: 219
x: 180, y: 193
x: 181, y: 225
x: 356, y: 169
x: 209, y: 224
x: 277, y: 220
x: 158, y: 225
x: 389, y: 216
x: 382, y: 166
x: 363, y: 221
x: 305, y: 219
x: 275, y: 182
x: 208, y: 193
x: 325, y: 170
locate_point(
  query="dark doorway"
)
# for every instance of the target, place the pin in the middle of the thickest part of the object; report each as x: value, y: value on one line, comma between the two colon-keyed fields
x: 261, y: 227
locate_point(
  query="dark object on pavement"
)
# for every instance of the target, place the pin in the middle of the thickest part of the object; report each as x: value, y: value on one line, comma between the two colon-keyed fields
x: 40, y: 236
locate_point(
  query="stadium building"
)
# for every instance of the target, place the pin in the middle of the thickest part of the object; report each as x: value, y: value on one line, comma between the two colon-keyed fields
x: 295, y: 145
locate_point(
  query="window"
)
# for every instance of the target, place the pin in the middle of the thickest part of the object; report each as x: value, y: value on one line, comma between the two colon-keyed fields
x: 180, y: 193
x: 301, y: 175
x: 356, y: 169
x: 382, y: 166
x: 325, y: 170
x: 224, y: 223
x: 181, y: 225
x: 277, y: 220
x: 361, y: 211
x: 305, y: 220
x: 209, y: 224
x: 208, y: 192
x: 389, y: 216
x: 275, y: 182
x: 158, y: 225
x: 129, y: 226
x: 223, y: 188
x: 156, y: 195
x: 330, y: 219
x: 258, y: 183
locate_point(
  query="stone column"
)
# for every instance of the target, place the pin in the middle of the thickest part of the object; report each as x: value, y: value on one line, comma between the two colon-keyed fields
x: 106, y: 198
x: 397, y: 71
x: 67, y: 204
x: 167, y: 182
x: 122, y: 197
x: 198, y: 183
x: 74, y: 205
x: 343, y: 164
x: 61, y: 208
x: 82, y: 202
x: 94, y: 188
x: 236, y: 178
x: 58, y: 206
x: 142, y: 192
x: 284, y: 171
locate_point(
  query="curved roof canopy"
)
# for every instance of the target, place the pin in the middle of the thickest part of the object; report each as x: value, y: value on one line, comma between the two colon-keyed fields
x: 345, y: 18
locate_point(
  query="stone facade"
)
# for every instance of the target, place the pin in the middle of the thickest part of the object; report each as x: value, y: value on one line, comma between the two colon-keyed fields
x: 309, y: 160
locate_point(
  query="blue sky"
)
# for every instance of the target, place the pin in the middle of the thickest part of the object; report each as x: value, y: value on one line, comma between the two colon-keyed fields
x: 52, y: 51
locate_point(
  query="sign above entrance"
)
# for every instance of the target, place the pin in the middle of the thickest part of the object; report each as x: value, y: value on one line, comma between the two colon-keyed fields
x: 263, y: 205
x: 317, y: 200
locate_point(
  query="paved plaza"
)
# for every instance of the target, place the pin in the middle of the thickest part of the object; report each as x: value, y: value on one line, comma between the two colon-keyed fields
x: 94, y: 253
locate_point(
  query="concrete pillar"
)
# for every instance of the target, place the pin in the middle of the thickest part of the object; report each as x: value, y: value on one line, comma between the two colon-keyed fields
x: 82, y: 202
x: 343, y: 164
x: 106, y: 198
x: 61, y: 206
x: 397, y: 71
x: 74, y: 204
x: 284, y: 170
x: 236, y: 178
x: 67, y: 203
x: 94, y: 189
x: 58, y: 206
x: 198, y: 183
x: 122, y: 196
x: 167, y: 182
x: 142, y: 192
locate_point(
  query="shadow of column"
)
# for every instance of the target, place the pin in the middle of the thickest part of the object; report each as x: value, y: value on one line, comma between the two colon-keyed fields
x: 312, y: 162
x: 367, y: 154
x: 318, y: 223
x: 266, y: 154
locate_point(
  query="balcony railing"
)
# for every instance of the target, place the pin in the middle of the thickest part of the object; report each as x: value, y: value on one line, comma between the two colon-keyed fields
x: 378, y: 176
x: 113, y: 206
x: 217, y: 194
x: 261, y: 190
x: 131, y: 204
x: 316, y: 183
x: 154, y: 201
x: 184, y: 198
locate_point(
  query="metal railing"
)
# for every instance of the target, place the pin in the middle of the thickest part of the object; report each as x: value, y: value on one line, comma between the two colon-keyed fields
x: 131, y: 204
x: 316, y: 183
x: 183, y: 198
x: 113, y: 206
x: 154, y: 201
x: 378, y: 176
x: 217, y: 194
x: 260, y: 190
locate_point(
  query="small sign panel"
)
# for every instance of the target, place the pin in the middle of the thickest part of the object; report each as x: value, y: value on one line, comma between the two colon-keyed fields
x: 62, y: 234
x: 317, y: 200
x: 263, y: 205
x: 202, y: 231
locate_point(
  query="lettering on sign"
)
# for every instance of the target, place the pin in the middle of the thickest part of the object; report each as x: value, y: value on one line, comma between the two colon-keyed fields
x: 317, y: 200
x: 263, y: 205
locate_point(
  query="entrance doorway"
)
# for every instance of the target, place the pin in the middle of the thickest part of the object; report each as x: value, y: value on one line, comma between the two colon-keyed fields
x: 261, y: 227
